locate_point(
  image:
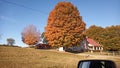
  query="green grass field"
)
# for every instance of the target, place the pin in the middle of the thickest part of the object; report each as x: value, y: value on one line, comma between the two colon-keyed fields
x: 15, y: 57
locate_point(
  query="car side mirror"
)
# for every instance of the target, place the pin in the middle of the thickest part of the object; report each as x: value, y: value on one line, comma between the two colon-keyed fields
x: 96, y: 64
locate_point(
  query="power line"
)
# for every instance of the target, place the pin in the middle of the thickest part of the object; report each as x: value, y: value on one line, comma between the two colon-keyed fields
x: 23, y: 6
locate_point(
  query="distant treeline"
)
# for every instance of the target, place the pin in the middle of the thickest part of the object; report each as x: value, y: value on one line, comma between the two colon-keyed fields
x: 109, y: 37
x: 8, y: 45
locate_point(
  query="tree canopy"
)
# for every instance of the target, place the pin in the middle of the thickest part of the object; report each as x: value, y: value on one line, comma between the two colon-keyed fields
x: 109, y: 37
x: 30, y: 35
x: 95, y: 32
x: 10, y: 41
x: 65, y: 26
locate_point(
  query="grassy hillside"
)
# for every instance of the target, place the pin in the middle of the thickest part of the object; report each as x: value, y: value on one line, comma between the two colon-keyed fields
x: 15, y: 57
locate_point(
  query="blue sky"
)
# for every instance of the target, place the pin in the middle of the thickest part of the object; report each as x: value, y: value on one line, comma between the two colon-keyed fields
x: 17, y: 14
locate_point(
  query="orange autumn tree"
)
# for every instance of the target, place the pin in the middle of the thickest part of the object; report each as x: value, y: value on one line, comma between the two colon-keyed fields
x: 30, y: 35
x: 65, y: 26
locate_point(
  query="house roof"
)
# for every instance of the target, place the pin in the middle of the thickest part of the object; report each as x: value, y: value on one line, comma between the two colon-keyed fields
x: 92, y: 42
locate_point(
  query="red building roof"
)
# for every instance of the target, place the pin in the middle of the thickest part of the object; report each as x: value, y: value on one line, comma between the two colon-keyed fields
x: 91, y: 41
